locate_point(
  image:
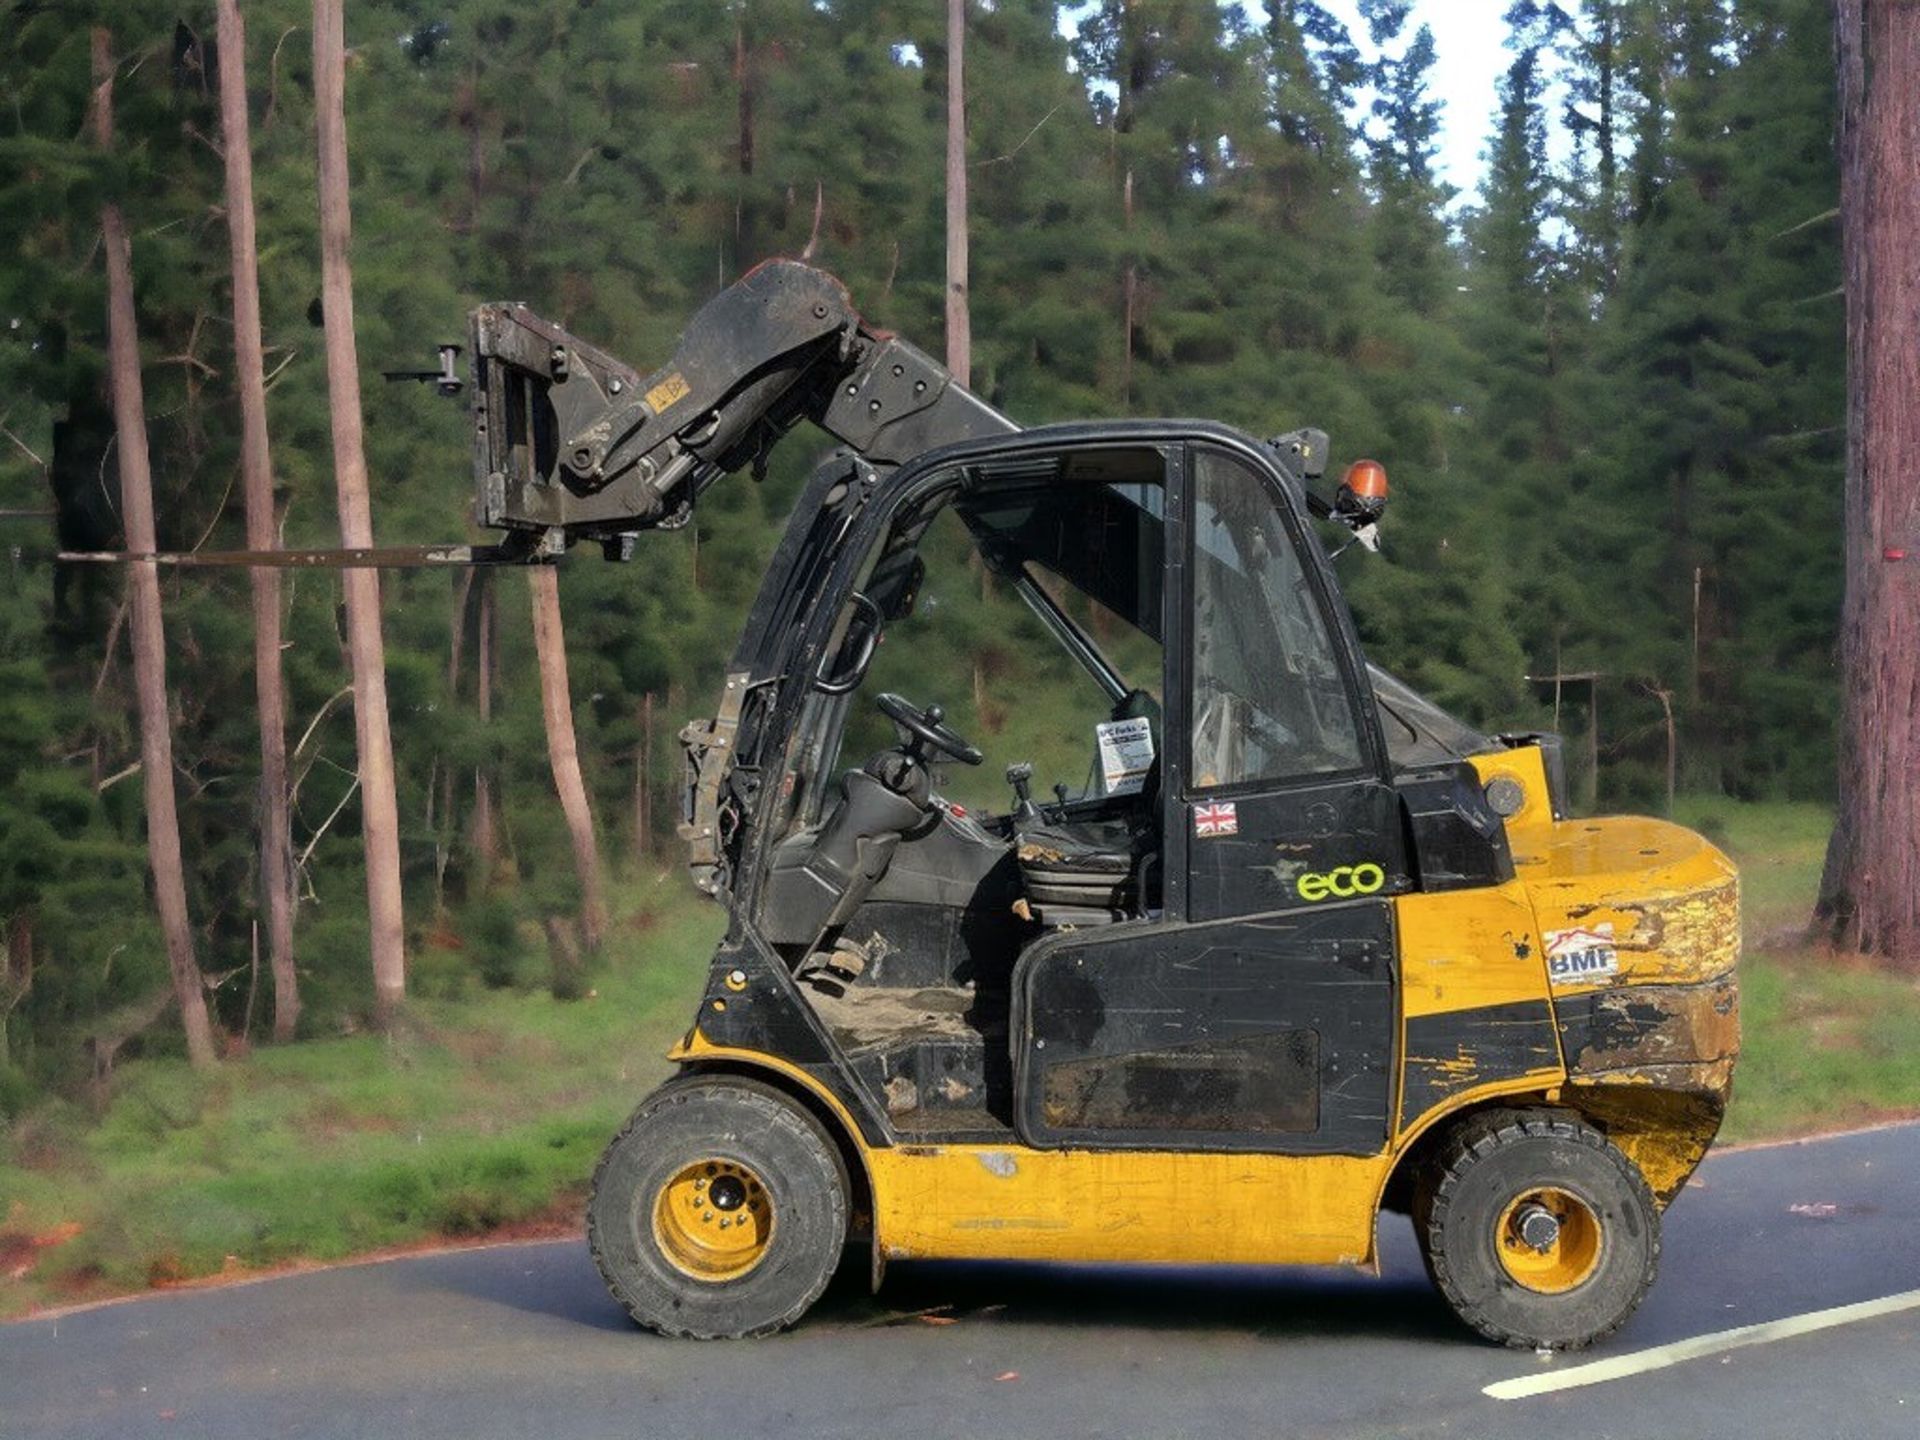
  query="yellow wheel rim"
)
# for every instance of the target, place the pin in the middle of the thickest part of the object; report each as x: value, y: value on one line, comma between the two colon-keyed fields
x: 1549, y: 1240
x: 713, y: 1220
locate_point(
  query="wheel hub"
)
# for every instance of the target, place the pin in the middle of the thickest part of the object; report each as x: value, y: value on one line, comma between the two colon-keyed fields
x: 1549, y: 1240
x: 713, y: 1220
x: 1538, y: 1227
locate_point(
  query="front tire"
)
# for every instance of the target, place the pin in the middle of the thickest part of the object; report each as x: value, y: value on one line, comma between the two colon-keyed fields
x: 719, y: 1211
x: 1539, y: 1232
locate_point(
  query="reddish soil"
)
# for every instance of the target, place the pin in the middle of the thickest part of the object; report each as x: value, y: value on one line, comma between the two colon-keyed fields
x: 83, y: 1289
x: 20, y: 1251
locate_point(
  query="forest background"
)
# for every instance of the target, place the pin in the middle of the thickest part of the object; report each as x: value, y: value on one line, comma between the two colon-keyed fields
x: 1609, y: 387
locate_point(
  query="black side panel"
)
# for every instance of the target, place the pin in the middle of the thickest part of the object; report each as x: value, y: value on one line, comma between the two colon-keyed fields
x: 1281, y: 838
x: 751, y: 1004
x: 1464, y: 1048
x: 1458, y: 841
x: 1273, y: 1033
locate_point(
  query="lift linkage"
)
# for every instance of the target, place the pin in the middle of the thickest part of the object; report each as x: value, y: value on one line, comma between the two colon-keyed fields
x: 571, y: 444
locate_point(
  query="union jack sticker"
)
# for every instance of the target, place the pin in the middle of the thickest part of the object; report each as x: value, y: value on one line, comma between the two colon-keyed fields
x: 1221, y: 819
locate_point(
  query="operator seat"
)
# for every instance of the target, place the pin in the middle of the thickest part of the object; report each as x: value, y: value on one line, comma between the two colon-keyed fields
x: 818, y: 884
x: 1096, y: 871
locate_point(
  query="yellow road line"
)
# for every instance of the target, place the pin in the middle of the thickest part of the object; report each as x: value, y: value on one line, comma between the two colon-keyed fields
x: 1661, y: 1356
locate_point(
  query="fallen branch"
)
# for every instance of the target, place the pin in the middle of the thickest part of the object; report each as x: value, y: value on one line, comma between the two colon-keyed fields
x: 113, y: 641
x: 112, y: 780
x: 274, y: 374
x: 273, y: 76
x: 1809, y: 222
x: 194, y: 360
x: 195, y: 132
x: 218, y: 511
x: 326, y: 709
x: 307, y: 854
x: 573, y: 175
x: 1001, y: 159
x: 25, y: 448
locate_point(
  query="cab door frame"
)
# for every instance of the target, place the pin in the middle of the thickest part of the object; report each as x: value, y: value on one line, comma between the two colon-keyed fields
x: 1269, y: 1027
x: 1365, y: 826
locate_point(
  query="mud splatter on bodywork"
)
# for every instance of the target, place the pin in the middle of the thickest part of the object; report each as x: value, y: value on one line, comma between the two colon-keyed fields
x: 1650, y: 1052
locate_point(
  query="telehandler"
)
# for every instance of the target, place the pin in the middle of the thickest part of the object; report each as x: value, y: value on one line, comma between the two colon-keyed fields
x: 1304, y: 948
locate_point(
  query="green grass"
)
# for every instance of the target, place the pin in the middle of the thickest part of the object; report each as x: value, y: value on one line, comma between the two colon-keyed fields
x: 487, y: 1112
x: 474, y: 1114
x: 1827, y: 1040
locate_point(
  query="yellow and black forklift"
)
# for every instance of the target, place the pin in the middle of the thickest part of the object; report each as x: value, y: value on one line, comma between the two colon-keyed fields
x: 1303, y: 949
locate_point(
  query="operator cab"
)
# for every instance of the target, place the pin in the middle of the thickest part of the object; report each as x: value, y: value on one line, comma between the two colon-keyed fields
x: 1034, y: 570
x: 1082, y: 683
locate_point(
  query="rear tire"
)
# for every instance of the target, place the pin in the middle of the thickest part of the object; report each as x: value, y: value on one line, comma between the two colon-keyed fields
x: 1539, y: 1232
x: 719, y: 1211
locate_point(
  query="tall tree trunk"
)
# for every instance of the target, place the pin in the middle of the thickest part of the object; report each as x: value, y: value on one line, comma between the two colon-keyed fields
x: 379, y: 810
x: 1606, y: 52
x: 445, y: 808
x: 643, y: 783
x: 256, y: 479
x: 743, y: 85
x: 1870, y: 892
x: 16, y: 973
x: 143, y: 584
x: 486, y: 839
x: 744, y: 245
x: 556, y: 706
x: 959, y: 317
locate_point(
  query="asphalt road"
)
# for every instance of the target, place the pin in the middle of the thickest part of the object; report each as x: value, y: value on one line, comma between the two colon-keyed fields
x: 523, y: 1341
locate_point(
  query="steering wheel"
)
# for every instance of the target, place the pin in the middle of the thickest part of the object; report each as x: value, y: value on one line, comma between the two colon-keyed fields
x: 928, y: 729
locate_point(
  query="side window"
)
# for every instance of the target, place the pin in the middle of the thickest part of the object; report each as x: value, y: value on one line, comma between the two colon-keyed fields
x: 1268, y: 698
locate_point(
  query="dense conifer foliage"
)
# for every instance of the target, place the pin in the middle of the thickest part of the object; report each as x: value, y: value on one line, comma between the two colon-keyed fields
x: 1609, y: 387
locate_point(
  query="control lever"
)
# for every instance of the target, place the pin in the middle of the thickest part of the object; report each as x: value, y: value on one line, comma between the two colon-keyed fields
x: 1060, y: 797
x: 1019, y: 777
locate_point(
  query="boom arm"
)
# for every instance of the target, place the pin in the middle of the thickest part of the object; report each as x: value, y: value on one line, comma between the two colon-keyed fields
x: 570, y: 444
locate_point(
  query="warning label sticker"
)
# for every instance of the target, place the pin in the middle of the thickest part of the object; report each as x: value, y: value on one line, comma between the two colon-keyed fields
x: 668, y: 392
x: 1126, y: 755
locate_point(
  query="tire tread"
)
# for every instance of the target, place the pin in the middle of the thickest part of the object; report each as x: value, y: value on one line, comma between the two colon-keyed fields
x: 1475, y: 1139
x: 780, y: 1110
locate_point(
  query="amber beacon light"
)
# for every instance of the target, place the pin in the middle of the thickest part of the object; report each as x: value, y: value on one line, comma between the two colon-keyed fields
x: 1367, y: 479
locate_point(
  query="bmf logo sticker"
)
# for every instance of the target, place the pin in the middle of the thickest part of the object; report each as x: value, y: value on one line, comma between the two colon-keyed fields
x: 1582, y: 956
x: 1221, y: 819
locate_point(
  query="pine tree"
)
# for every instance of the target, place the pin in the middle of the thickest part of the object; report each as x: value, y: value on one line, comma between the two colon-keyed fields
x: 148, y: 637
x: 563, y: 750
x: 959, y: 321
x: 276, y: 852
x: 1594, y: 116
x: 1409, y: 232
x: 379, y: 814
x: 1870, y: 893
